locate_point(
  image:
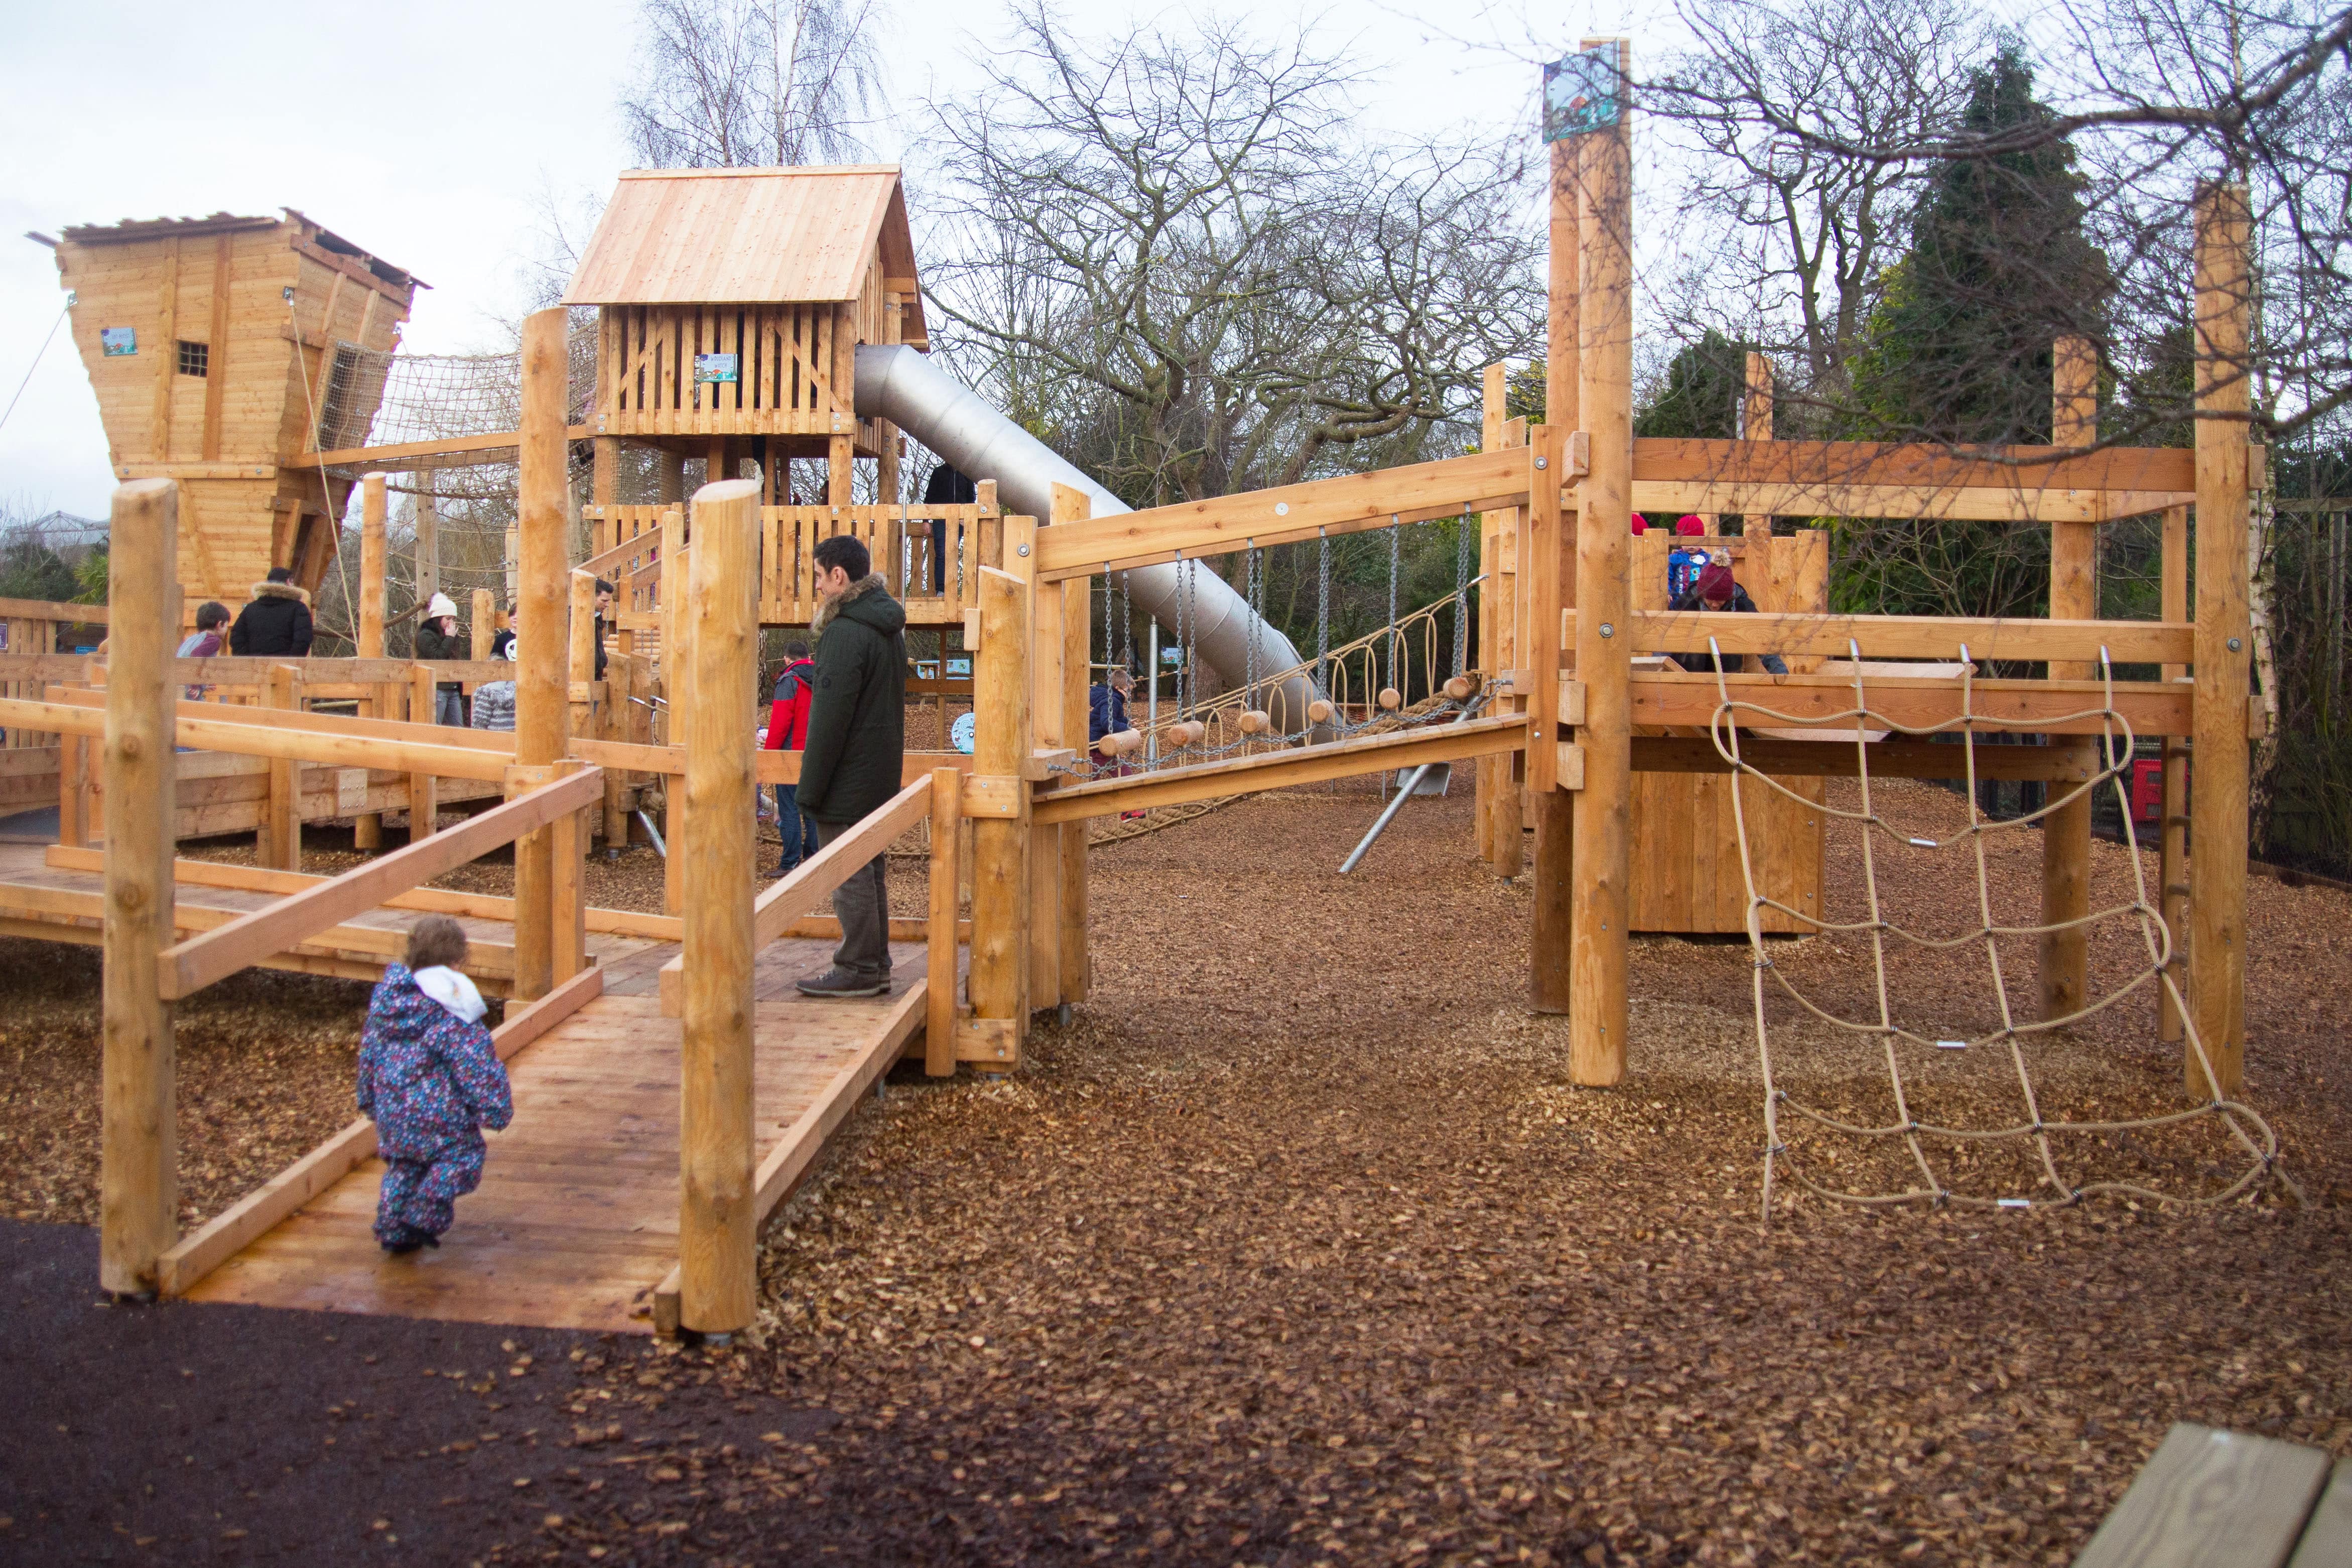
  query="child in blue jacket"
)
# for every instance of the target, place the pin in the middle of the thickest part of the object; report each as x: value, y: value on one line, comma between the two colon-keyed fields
x: 432, y: 1080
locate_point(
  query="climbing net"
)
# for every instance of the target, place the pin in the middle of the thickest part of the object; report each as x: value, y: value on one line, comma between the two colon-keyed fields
x: 379, y: 397
x: 2245, y: 1128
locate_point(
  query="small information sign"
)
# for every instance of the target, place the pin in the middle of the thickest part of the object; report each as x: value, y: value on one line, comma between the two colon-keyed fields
x: 713, y: 368
x: 114, y: 340
x: 1582, y: 93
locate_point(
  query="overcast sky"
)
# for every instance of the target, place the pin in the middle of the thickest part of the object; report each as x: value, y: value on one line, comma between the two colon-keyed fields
x: 427, y: 133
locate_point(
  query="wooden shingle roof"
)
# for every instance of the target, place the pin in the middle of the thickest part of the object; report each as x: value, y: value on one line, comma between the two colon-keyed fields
x: 709, y: 237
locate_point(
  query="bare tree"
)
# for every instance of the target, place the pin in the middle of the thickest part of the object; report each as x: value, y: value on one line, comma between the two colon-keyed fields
x: 742, y: 83
x: 1172, y: 255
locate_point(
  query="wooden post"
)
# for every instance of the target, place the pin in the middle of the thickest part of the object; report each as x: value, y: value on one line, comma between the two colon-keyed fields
x: 999, y: 893
x: 137, y: 1160
x: 840, y: 467
x: 367, y: 827
x: 281, y: 844
x: 2172, y: 826
x: 1491, y: 390
x: 1549, y: 581
x: 1046, y: 641
x: 718, y: 1228
x: 947, y: 834
x: 2223, y: 645
x: 73, y: 791
x: 677, y: 633
x: 485, y: 628
x: 2065, y: 955
x: 579, y: 676
x: 1756, y: 410
x: 428, y: 537
x: 614, y: 726
x: 1077, y: 654
x: 423, y: 790
x: 1603, y: 812
x: 605, y: 478
x: 542, y: 493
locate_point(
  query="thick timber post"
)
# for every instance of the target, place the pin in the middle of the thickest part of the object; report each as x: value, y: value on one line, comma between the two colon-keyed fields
x: 2223, y: 644
x: 367, y: 828
x: 539, y: 631
x: 2172, y: 828
x: 2065, y: 955
x: 1548, y: 576
x: 1602, y: 807
x: 138, y: 1142
x: 998, y: 977
x: 717, y: 1228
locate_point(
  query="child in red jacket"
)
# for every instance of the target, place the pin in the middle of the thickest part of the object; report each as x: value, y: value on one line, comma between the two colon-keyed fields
x: 788, y: 721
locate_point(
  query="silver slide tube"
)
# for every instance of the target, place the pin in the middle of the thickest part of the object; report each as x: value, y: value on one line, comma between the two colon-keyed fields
x: 905, y: 387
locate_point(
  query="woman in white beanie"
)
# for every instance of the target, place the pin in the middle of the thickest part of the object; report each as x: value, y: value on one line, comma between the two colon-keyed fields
x: 437, y: 637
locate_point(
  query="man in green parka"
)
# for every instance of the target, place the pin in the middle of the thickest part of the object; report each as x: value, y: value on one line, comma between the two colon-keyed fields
x: 856, y: 750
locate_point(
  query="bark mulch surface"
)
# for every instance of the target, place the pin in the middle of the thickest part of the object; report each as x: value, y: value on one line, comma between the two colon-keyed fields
x: 1297, y: 1247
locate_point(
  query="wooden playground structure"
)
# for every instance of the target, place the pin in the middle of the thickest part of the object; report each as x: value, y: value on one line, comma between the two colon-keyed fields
x: 670, y: 1089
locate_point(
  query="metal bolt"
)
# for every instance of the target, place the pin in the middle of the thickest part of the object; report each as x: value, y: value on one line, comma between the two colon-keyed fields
x: 2235, y: 644
x: 1607, y: 630
x: 1023, y: 550
x: 1543, y: 462
x: 1282, y: 508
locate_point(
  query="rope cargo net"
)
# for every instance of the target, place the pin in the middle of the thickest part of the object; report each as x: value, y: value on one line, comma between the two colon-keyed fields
x: 2246, y: 1131
x: 379, y: 397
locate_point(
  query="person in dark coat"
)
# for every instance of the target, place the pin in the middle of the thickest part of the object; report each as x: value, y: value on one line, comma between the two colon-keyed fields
x: 604, y: 592
x: 855, y: 749
x: 787, y: 723
x: 1716, y: 590
x: 946, y: 487
x: 437, y: 638
x: 431, y: 1078
x: 276, y: 623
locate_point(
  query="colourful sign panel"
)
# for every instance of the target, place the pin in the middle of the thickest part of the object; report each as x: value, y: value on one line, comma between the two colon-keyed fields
x: 713, y: 368
x: 113, y: 340
x: 1582, y: 91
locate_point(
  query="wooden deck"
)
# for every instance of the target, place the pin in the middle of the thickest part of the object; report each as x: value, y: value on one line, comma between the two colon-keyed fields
x: 576, y: 1220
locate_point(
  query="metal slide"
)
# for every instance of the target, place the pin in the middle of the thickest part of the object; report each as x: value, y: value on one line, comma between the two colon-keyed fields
x: 905, y: 387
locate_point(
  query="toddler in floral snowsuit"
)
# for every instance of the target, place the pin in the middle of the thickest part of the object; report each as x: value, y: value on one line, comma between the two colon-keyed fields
x: 432, y: 1080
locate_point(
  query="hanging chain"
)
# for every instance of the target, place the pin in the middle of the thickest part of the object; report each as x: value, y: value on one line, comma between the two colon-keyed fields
x: 1254, y: 593
x: 1126, y: 623
x: 1462, y: 593
x: 1323, y: 612
x: 1396, y: 637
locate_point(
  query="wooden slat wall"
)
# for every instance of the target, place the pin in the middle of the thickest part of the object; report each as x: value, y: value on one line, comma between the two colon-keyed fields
x: 1686, y: 874
x: 789, y: 536
x: 784, y: 368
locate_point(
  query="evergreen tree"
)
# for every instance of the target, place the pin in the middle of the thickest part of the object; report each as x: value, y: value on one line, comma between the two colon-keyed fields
x: 1704, y: 384
x: 1959, y: 346
x: 31, y: 570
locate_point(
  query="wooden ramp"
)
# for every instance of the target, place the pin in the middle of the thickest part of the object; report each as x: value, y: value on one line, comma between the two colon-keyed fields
x: 576, y: 1220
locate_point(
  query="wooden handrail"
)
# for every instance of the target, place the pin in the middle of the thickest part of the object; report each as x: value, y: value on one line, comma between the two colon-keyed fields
x: 829, y: 868
x: 53, y: 610
x: 188, y: 967
x: 2020, y: 639
x: 500, y: 741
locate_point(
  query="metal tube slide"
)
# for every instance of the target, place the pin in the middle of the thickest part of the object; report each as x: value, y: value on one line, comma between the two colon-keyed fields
x: 905, y: 387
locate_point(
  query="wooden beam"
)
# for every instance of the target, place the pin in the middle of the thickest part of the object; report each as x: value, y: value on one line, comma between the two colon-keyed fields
x: 1905, y: 637
x: 2064, y: 957
x: 1282, y: 769
x: 450, y: 445
x: 367, y: 828
x: 2045, y: 706
x: 999, y: 893
x: 1547, y: 566
x: 2224, y: 646
x: 2172, y: 830
x: 1836, y: 758
x: 280, y: 840
x: 542, y: 497
x: 788, y: 899
x: 191, y: 965
x: 262, y: 1210
x: 718, y: 1231
x: 138, y: 1144
x: 1601, y: 865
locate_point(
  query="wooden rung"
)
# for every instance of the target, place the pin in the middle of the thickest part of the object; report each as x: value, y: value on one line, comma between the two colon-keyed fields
x: 2176, y: 889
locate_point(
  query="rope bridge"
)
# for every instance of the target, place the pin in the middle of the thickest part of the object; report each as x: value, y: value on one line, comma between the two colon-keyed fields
x: 2245, y: 1128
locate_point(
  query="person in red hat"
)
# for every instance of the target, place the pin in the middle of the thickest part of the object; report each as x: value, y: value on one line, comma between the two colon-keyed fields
x: 1717, y: 590
x: 1641, y: 525
x: 1690, y: 525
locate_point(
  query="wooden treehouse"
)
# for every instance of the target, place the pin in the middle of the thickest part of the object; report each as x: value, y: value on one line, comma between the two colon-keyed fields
x: 212, y: 343
x: 730, y: 305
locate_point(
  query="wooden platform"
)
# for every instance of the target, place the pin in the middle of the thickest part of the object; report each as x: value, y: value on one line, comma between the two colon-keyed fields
x: 2211, y: 1499
x: 576, y: 1219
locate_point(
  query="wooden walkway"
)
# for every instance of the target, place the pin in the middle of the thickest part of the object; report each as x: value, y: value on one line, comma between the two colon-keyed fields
x: 576, y: 1220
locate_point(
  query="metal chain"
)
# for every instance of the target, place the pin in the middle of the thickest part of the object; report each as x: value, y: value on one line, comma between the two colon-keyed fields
x: 1323, y: 612
x: 1126, y: 623
x: 1462, y: 593
x: 1254, y: 594
x: 1396, y: 637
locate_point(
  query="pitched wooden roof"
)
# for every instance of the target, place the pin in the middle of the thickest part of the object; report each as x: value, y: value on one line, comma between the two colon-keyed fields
x: 708, y: 237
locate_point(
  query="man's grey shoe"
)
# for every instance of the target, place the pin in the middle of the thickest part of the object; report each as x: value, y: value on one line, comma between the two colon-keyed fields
x: 841, y: 982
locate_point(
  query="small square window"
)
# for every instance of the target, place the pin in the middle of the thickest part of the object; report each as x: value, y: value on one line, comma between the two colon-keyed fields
x: 195, y: 358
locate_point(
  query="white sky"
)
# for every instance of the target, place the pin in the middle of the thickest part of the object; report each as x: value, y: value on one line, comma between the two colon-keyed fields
x: 427, y: 133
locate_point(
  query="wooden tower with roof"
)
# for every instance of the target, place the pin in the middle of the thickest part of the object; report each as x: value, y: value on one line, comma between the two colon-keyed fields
x: 210, y: 343
x: 730, y: 305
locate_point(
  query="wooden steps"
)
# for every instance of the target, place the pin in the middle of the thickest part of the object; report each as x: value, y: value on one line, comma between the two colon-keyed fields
x: 2211, y: 1499
x: 576, y: 1221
